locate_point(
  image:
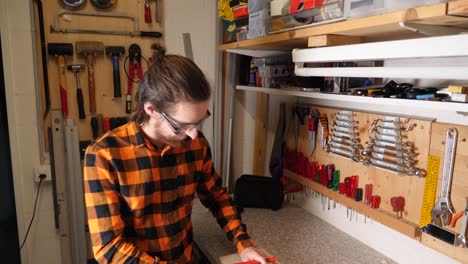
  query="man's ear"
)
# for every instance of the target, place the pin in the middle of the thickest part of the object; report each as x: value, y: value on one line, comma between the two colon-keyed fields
x: 149, y: 109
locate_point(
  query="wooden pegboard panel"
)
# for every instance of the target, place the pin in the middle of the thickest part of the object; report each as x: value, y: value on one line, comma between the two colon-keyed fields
x: 385, y: 183
x: 105, y: 103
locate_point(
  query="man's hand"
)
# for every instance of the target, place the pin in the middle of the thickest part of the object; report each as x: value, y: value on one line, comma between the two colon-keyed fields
x: 251, y: 253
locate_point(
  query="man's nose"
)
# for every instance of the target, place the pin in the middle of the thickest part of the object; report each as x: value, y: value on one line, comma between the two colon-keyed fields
x: 192, y: 133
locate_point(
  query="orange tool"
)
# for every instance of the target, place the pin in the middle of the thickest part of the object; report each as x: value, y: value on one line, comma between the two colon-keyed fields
x: 459, y: 215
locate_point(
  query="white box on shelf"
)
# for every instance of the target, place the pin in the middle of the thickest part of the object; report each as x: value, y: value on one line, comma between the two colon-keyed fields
x: 257, y: 24
x: 457, y: 97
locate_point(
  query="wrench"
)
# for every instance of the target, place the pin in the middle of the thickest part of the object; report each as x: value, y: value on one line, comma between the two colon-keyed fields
x: 338, y: 134
x: 383, y: 143
x: 390, y: 138
x: 442, y: 212
x: 461, y: 239
x: 344, y: 123
x: 346, y: 154
x: 344, y: 129
x: 344, y: 118
x: 394, y: 152
x: 400, y: 160
x: 396, y: 168
x: 346, y: 140
x: 343, y: 146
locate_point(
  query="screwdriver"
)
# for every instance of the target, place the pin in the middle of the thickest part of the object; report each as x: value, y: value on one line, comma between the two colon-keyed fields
x: 336, y: 180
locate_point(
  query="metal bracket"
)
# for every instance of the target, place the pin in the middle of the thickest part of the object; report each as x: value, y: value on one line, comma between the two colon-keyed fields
x: 432, y: 30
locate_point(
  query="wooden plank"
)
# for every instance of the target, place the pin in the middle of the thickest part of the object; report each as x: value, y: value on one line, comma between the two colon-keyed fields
x: 261, y: 125
x: 457, y: 253
x: 458, y: 8
x: 401, y: 225
x: 332, y: 40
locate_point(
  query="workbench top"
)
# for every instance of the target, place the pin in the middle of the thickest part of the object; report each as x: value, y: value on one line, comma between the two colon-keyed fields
x: 292, y: 234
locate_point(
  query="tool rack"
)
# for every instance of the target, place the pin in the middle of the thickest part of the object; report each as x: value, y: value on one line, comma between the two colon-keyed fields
x: 106, y: 104
x: 428, y: 136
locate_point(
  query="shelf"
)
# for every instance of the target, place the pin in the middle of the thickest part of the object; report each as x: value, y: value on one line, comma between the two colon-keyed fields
x: 445, y: 112
x: 378, y: 27
x: 388, y: 219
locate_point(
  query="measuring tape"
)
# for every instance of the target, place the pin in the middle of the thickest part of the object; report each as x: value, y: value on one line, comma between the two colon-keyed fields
x: 430, y: 189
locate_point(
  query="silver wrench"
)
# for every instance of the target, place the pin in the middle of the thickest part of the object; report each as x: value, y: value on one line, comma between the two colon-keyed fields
x: 344, y: 123
x: 442, y: 212
x: 344, y: 129
x: 343, y: 118
x: 394, y: 152
x: 390, y: 138
x: 383, y: 143
x: 343, y: 135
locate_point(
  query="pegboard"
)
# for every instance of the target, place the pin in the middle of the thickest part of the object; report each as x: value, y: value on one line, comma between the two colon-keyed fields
x: 106, y: 104
x: 386, y: 184
x: 428, y: 138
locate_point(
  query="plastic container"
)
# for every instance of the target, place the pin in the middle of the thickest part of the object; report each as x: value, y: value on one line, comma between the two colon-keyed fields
x: 330, y: 11
x: 361, y: 8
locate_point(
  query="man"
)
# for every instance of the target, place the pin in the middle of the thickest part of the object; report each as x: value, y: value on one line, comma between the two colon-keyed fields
x: 140, y: 179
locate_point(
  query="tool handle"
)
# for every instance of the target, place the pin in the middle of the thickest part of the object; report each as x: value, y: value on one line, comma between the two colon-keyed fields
x: 147, y: 12
x: 62, y: 82
x: 91, y: 84
x: 151, y: 34
x: 116, y: 76
x: 94, y: 127
x: 455, y: 218
x: 128, y: 104
x: 158, y: 12
x: 79, y: 98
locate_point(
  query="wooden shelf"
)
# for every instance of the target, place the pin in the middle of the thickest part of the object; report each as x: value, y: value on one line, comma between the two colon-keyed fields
x: 446, y: 112
x: 388, y: 219
x: 378, y: 27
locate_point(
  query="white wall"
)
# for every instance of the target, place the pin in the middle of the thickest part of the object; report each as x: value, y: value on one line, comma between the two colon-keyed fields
x: 199, y: 19
x: 42, y: 245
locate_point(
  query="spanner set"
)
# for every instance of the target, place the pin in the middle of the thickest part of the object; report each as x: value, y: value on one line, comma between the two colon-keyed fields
x: 388, y: 150
x: 344, y: 140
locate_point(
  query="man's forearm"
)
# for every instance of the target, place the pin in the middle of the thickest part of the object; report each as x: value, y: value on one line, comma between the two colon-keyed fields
x: 120, y: 251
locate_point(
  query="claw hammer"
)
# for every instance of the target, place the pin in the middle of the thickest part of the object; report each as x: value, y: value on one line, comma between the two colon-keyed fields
x: 90, y: 49
x: 60, y: 50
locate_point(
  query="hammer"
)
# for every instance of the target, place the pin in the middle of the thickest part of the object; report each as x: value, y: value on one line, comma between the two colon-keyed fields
x: 60, y: 50
x: 76, y: 68
x: 90, y: 49
x: 115, y: 52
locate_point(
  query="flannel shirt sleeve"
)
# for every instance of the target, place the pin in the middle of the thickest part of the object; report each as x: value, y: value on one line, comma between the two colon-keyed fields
x: 103, y: 209
x: 215, y: 197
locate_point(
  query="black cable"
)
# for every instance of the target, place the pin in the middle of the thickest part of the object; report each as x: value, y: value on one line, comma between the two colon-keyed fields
x: 42, y: 177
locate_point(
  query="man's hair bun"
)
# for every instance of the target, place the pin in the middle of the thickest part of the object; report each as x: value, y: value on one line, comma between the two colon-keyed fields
x: 158, y: 52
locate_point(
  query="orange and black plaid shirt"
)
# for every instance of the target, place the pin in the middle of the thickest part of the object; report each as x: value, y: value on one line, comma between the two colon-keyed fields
x: 139, y: 198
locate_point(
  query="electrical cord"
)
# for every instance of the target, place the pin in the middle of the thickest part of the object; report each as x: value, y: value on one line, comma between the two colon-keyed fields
x: 41, y: 177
